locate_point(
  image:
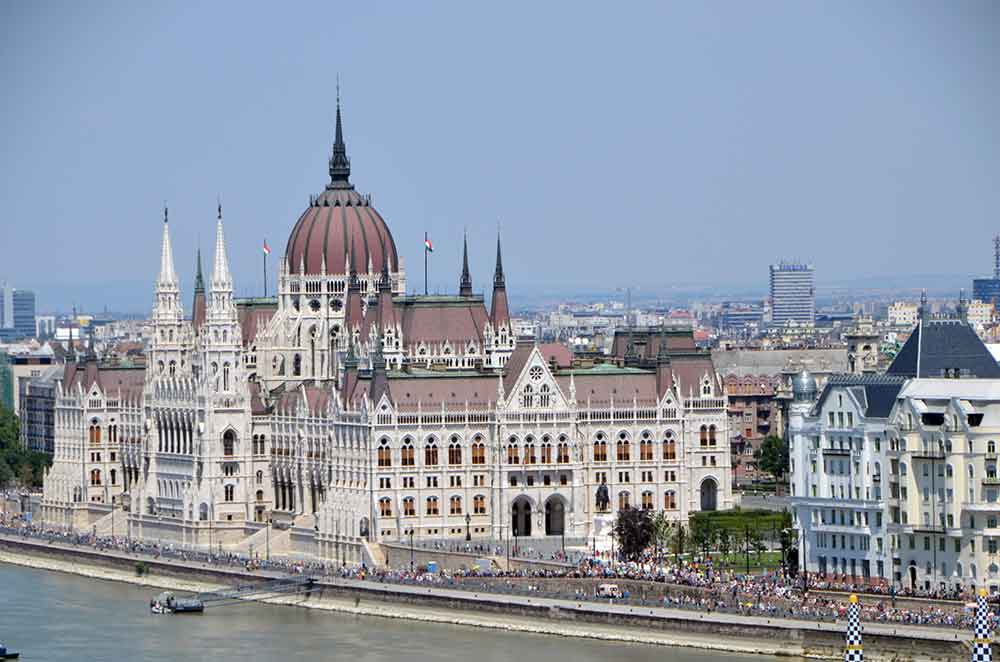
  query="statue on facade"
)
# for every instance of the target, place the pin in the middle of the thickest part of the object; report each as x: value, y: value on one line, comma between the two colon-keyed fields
x: 602, y: 497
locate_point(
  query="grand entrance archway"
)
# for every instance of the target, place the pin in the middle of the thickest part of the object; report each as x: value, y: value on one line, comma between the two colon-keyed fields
x: 555, y: 516
x: 520, y: 517
x: 709, y: 494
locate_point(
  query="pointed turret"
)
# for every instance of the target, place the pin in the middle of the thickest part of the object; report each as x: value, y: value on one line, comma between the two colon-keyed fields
x: 499, y: 311
x: 922, y: 310
x: 962, y: 309
x: 386, y: 317
x: 664, y: 375
x: 631, y: 354
x: 222, y: 281
x: 465, y: 284
x: 353, y: 315
x: 340, y: 165
x: 168, y: 278
x: 198, y: 308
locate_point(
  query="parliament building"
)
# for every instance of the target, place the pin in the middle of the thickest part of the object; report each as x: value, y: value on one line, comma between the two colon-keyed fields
x: 345, y: 412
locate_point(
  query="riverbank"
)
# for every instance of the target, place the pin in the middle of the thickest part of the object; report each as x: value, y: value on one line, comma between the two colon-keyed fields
x: 661, y: 627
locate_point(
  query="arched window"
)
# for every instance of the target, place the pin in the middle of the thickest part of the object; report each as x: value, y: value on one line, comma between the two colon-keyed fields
x: 260, y: 477
x: 711, y: 435
x: 622, y: 448
x: 432, y: 506
x: 409, y: 509
x: 645, y: 448
x: 172, y: 368
x: 95, y: 476
x: 406, y: 454
x: 479, y: 504
x: 225, y: 376
x: 623, y: 501
x: 384, y: 454
x: 991, y: 446
x: 455, y: 451
x: 297, y: 365
x: 527, y: 397
x: 600, y: 449
x: 669, y: 446
x: 229, y: 443
x: 430, y: 454
x: 670, y: 500
x: 455, y: 505
x: 704, y: 435
x: 546, y: 450
x: 563, y: 452
x: 114, y: 477
x: 544, y: 395
x: 529, y: 451
x: 512, y: 452
x: 260, y: 495
x: 478, y: 452
x: 385, y: 507
x: 647, y: 500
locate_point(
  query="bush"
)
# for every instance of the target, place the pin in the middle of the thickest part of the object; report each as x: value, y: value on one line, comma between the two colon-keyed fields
x: 141, y: 568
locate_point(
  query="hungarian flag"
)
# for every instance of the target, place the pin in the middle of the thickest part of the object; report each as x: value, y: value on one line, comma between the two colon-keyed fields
x: 267, y: 249
x: 428, y: 246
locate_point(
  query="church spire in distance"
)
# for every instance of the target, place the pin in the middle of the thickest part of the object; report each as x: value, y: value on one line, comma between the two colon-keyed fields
x: 340, y: 165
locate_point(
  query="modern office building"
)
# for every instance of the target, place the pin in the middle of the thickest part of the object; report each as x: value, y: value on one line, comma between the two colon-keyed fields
x: 38, y: 410
x: 987, y: 290
x: 793, y: 293
x: 17, y: 313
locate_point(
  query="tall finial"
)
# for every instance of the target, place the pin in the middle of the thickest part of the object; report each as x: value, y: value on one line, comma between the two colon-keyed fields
x: 498, y: 278
x: 219, y: 201
x: 465, y: 285
x: 996, y: 256
x: 164, y: 211
x: 340, y: 165
x: 922, y: 310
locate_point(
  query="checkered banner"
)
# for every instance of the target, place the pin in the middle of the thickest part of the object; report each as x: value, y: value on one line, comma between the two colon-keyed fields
x: 982, y: 643
x: 853, y: 650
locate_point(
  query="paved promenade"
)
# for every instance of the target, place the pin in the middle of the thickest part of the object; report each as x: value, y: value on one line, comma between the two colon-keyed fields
x: 373, y: 588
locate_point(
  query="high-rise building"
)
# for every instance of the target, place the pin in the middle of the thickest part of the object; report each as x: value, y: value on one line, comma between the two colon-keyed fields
x: 17, y: 313
x: 793, y: 294
x: 987, y: 290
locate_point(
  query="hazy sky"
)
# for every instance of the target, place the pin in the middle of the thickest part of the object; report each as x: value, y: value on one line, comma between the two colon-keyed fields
x: 619, y: 143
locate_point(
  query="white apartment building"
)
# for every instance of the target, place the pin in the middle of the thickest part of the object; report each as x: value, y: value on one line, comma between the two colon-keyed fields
x: 902, y: 313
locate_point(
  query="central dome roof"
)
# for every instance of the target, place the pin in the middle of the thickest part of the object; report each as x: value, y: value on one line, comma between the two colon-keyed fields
x: 340, y: 225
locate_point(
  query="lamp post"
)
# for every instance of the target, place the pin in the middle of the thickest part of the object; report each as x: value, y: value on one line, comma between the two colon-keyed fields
x: 468, y: 520
x: 411, y: 550
x: 267, y: 540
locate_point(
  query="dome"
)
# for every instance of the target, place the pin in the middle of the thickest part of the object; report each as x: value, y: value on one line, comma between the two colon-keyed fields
x: 804, y: 387
x: 340, y: 224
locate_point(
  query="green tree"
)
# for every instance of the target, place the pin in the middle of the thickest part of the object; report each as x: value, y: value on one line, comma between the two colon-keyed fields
x: 772, y: 456
x: 6, y: 475
x: 634, y: 531
x: 662, y: 532
x: 702, y: 535
x: 15, y: 460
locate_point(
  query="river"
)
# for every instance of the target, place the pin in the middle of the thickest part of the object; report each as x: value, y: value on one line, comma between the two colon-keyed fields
x: 59, y: 617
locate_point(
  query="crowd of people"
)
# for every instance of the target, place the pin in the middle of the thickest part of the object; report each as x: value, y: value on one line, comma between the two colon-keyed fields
x: 678, y: 583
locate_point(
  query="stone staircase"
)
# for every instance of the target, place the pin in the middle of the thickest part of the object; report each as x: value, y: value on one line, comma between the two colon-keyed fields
x: 374, y: 555
x: 277, y: 540
x: 114, y: 524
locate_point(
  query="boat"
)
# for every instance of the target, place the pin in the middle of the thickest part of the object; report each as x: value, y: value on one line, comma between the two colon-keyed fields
x: 166, y: 603
x: 8, y: 655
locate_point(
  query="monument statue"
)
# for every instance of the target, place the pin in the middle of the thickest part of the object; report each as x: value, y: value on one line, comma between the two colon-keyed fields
x: 602, y: 497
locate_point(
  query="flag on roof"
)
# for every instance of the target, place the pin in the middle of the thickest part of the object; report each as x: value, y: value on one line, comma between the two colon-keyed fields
x: 267, y: 249
x: 428, y: 246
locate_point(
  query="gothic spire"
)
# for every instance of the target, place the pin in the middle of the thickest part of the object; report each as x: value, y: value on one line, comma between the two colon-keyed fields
x: 661, y: 352
x: 340, y: 165
x: 167, y: 275
x: 498, y: 279
x: 221, y: 279
x: 465, y: 285
x: 199, y: 280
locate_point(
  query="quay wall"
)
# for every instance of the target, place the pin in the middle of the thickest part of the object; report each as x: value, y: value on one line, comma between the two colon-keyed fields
x: 704, y: 630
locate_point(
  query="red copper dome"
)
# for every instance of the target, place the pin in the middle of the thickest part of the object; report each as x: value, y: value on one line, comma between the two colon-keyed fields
x: 339, y: 225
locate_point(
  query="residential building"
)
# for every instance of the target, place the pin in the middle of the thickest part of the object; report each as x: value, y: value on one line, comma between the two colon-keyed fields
x: 37, y: 410
x: 902, y: 314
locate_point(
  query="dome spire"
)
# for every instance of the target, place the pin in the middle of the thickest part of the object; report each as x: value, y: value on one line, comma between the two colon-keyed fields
x: 465, y: 285
x: 498, y: 279
x: 340, y: 165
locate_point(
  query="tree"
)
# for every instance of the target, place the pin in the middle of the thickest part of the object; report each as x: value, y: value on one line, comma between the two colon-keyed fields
x: 662, y: 532
x: 15, y: 460
x: 725, y: 544
x: 702, y: 534
x: 772, y: 456
x: 6, y: 475
x: 634, y: 531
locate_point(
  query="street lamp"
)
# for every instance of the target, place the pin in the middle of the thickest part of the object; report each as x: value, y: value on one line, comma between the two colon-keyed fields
x: 411, y: 549
x: 468, y: 520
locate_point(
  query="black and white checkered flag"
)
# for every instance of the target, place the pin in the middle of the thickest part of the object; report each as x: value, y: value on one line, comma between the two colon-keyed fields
x: 982, y: 644
x: 853, y: 650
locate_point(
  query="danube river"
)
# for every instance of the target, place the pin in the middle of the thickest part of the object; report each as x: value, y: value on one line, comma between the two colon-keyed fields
x: 59, y: 617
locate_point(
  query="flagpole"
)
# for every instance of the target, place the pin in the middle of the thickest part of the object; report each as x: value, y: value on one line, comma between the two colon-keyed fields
x: 265, y: 274
x: 425, y: 263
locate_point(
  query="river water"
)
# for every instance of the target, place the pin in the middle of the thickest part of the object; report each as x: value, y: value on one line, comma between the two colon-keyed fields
x: 59, y: 617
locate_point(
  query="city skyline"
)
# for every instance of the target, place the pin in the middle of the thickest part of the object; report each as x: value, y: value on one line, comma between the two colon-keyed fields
x: 895, y: 128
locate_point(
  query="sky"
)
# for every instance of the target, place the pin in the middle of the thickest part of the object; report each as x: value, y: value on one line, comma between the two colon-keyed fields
x: 647, y: 145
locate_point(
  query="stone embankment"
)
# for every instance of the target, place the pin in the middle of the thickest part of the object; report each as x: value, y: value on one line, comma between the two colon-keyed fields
x: 610, y: 622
